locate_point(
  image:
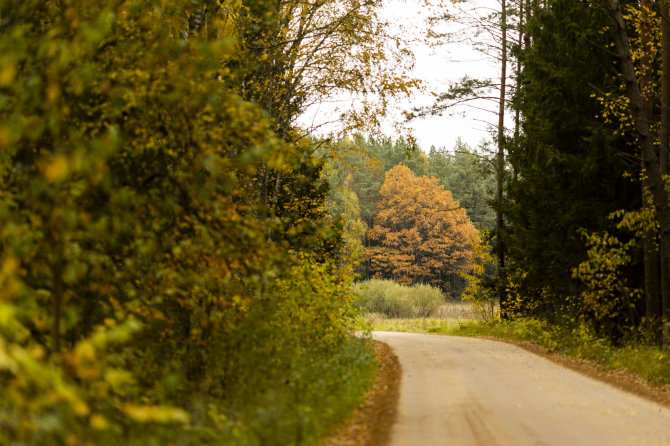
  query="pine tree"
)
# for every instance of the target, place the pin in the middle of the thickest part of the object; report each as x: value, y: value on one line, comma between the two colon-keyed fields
x: 570, y: 163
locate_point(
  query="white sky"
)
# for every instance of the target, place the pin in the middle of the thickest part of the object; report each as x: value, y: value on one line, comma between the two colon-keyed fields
x: 437, y: 68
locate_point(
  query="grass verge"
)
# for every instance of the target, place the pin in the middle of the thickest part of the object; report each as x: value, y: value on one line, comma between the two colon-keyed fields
x: 322, y: 392
x: 652, y: 363
x: 415, y: 325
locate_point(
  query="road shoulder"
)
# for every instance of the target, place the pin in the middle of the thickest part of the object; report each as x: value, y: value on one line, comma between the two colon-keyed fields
x: 621, y: 379
x: 371, y: 423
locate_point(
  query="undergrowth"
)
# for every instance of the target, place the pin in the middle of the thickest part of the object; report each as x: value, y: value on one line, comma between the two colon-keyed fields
x: 399, y: 301
x: 323, y: 389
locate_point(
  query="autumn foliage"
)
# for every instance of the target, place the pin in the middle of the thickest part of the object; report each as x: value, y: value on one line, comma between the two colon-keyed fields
x: 167, y: 271
x: 420, y: 233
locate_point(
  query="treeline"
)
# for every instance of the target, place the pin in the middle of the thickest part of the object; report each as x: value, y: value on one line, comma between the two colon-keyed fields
x: 411, y: 216
x: 168, y: 271
x: 584, y: 230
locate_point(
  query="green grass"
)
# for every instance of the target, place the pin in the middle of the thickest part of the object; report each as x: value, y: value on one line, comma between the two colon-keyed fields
x: 417, y: 325
x: 647, y: 361
x: 321, y: 391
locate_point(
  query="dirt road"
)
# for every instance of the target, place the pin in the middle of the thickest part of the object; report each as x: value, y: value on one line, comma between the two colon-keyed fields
x: 464, y: 391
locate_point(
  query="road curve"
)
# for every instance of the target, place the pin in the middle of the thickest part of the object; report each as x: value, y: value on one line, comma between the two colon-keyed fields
x: 460, y: 391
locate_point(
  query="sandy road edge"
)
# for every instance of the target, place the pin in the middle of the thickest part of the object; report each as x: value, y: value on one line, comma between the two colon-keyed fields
x: 619, y: 378
x: 370, y: 424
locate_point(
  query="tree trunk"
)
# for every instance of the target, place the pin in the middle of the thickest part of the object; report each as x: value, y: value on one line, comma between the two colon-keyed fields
x: 526, y: 37
x: 651, y: 162
x: 517, y: 113
x: 665, y: 86
x: 652, y: 286
x: 193, y: 23
x: 652, y: 289
x: 500, y: 248
x: 664, y: 158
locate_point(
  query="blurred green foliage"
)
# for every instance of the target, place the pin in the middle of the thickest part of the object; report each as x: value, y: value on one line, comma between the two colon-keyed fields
x: 152, y: 291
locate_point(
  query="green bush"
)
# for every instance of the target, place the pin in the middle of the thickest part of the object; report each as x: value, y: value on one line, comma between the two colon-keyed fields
x: 400, y: 301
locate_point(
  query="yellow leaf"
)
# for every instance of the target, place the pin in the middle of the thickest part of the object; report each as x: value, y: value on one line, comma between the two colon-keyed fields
x: 57, y: 169
x: 157, y: 414
x: 53, y: 93
x: 81, y: 409
x: 99, y: 422
x: 4, y: 137
x: 7, y: 73
x: 9, y: 265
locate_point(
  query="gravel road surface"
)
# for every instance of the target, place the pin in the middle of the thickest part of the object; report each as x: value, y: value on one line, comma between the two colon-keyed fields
x: 466, y: 391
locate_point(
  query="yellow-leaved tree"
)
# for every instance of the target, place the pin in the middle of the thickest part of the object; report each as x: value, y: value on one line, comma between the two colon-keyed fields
x: 421, y: 234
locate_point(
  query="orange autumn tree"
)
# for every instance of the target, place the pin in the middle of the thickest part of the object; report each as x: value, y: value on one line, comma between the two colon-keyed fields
x: 421, y: 234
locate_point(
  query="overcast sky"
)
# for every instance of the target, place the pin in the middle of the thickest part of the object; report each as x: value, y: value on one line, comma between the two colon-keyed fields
x: 437, y: 68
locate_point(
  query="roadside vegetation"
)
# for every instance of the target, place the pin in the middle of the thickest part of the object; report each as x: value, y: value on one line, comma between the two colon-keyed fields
x: 394, y: 300
x: 170, y: 272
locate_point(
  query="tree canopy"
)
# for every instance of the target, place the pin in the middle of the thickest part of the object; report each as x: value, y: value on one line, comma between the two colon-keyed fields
x: 420, y: 233
x: 570, y: 164
x: 587, y: 236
